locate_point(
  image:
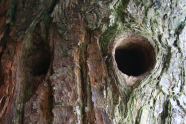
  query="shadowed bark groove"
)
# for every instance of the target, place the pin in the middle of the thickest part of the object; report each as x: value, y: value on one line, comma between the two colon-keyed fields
x: 92, y: 61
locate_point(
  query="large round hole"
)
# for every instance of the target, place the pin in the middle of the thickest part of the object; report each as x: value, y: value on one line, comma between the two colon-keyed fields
x: 131, y: 61
x: 134, y: 55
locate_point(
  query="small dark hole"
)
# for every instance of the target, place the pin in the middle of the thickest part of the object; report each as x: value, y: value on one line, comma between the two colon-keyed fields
x: 40, y: 65
x: 130, y: 61
x: 39, y: 61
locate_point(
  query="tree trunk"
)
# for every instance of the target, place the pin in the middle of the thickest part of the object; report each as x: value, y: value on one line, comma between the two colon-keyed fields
x: 92, y: 61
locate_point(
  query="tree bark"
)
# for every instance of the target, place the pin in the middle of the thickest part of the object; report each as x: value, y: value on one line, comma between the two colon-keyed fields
x: 92, y: 61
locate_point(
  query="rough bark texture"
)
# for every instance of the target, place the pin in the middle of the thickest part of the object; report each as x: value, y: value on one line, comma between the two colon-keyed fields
x: 92, y: 61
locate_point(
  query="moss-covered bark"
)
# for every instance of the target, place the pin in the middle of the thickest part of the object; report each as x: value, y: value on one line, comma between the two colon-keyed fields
x: 58, y: 61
